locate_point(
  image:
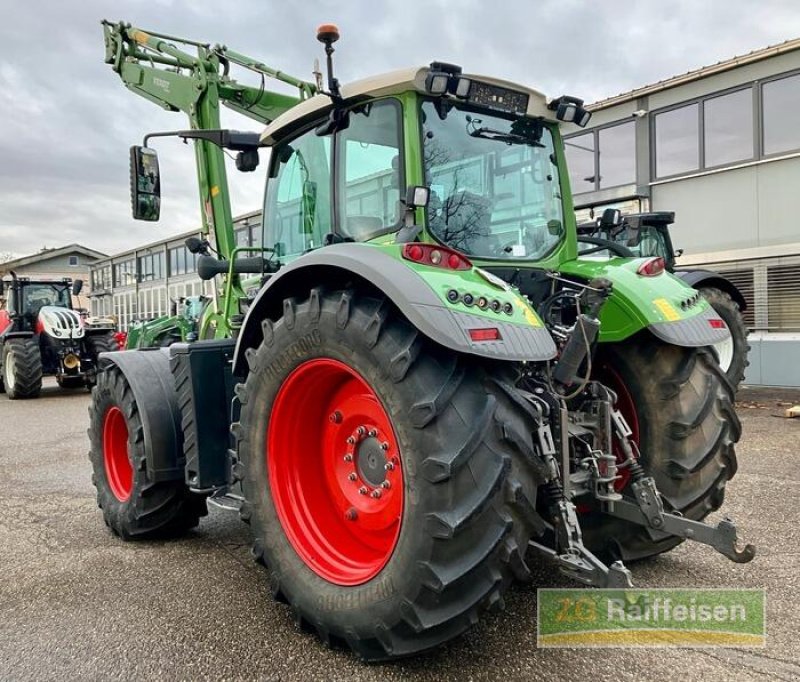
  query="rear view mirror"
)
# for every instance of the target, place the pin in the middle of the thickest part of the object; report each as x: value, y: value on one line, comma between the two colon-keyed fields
x: 145, y: 184
x: 417, y: 196
x: 77, y: 286
x: 612, y: 217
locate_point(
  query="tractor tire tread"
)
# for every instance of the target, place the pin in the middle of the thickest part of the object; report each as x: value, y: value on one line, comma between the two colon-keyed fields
x: 468, y: 547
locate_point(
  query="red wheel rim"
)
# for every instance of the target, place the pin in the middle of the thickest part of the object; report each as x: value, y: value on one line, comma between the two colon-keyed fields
x: 119, y: 471
x: 627, y: 407
x: 335, y: 472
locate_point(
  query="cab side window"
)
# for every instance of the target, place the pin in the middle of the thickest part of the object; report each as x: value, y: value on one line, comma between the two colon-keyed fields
x: 370, y: 170
x: 298, y: 201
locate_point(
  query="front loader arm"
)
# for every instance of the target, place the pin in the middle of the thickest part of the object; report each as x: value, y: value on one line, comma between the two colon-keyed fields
x: 154, y: 66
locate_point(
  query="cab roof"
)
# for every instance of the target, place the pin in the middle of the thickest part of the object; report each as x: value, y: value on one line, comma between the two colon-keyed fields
x: 391, y: 83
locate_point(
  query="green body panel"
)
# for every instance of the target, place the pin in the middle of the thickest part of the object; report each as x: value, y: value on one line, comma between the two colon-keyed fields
x: 635, y: 302
x: 159, y: 332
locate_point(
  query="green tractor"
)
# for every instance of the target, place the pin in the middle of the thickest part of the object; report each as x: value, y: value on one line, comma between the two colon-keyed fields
x: 428, y: 390
x: 183, y: 324
x: 647, y: 235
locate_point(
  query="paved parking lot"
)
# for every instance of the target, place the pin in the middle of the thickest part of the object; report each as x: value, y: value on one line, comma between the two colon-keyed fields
x: 75, y: 602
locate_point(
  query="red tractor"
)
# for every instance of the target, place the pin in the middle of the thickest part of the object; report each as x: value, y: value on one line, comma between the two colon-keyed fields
x: 42, y: 334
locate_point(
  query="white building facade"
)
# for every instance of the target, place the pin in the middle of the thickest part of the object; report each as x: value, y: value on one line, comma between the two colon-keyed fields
x: 720, y: 147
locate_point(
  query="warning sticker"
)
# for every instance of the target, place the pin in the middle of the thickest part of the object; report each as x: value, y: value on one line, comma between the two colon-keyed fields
x: 666, y: 309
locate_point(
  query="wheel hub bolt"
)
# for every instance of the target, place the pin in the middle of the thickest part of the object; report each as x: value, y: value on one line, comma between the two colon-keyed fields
x: 352, y: 476
x: 351, y: 514
x: 386, y: 485
x: 376, y: 494
x: 384, y: 446
x: 361, y: 430
x: 373, y: 433
x: 362, y: 490
x: 351, y: 440
x: 336, y: 417
x: 389, y: 466
x: 348, y: 457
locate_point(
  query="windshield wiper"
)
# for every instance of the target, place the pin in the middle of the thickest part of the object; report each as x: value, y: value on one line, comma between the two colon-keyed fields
x: 500, y: 136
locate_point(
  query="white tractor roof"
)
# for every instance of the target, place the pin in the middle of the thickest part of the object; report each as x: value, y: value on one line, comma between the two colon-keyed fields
x: 393, y: 83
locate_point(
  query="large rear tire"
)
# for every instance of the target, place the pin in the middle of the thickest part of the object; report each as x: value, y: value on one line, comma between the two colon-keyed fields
x: 133, y: 506
x: 732, y: 355
x: 22, y: 368
x: 680, y: 408
x: 400, y: 572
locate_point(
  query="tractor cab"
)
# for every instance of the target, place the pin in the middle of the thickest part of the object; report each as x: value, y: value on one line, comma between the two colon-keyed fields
x: 486, y: 153
x: 24, y: 299
x: 637, y: 235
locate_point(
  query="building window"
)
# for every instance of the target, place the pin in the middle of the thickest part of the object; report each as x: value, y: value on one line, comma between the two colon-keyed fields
x: 125, y: 273
x: 677, y: 139
x: 580, y: 162
x: 73, y: 261
x: 728, y: 128
x: 242, y: 236
x: 602, y: 158
x: 617, y: 155
x: 151, y: 267
x: 181, y: 261
x: 781, y: 101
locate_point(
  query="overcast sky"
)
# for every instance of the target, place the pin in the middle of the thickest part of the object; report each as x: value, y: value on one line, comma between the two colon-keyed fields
x: 66, y: 121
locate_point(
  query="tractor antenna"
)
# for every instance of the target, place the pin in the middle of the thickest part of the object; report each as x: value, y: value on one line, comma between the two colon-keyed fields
x: 328, y: 34
x: 317, y: 76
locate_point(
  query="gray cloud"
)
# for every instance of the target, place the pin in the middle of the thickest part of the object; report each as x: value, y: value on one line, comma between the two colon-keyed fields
x: 67, y: 121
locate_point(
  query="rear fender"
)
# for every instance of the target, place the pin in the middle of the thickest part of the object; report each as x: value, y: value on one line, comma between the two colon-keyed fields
x: 704, y: 279
x: 148, y: 374
x: 418, y: 292
x: 664, y: 305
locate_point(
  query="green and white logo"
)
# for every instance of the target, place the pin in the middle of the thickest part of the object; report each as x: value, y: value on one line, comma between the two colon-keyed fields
x: 651, y: 618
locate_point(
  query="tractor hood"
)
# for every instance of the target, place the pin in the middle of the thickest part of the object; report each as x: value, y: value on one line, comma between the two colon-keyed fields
x: 60, y: 323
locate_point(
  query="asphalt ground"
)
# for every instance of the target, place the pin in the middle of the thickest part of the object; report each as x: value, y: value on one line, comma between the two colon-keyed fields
x: 78, y: 603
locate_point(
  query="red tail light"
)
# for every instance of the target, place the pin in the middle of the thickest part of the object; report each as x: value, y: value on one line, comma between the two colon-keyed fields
x: 651, y: 267
x: 437, y: 256
x: 716, y: 323
x: 485, y: 334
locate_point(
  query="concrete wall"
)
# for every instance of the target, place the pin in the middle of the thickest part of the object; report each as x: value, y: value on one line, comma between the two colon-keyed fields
x: 742, y: 208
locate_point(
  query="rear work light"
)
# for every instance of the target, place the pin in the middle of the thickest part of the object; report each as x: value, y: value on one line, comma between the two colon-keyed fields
x: 485, y: 334
x: 437, y: 256
x: 651, y: 267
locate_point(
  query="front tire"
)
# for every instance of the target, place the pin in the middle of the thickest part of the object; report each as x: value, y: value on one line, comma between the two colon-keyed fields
x: 458, y: 512
x: 680, y: 408
x: 133, y: 506
x: 22, y: 368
